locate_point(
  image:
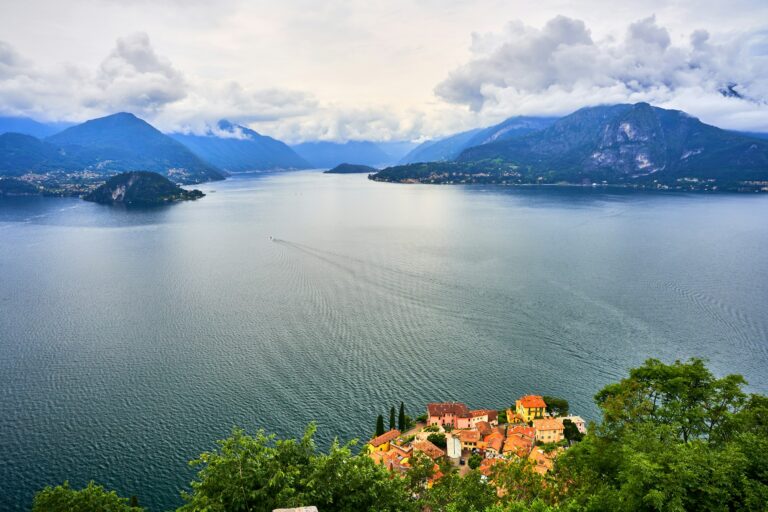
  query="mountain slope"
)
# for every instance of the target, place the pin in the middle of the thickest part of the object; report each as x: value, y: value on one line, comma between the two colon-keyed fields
x: 636, y: 145
x: 631, y: 142
x: 123, y: 142
x: 20, y: 154
x: 245, y: 150
x: 330, y: 154
x: 450, y: 147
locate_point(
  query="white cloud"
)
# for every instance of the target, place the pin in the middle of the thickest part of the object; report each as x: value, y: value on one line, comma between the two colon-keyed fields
x: 561, y: 67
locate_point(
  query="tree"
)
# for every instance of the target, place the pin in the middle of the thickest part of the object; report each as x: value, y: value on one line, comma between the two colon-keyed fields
x: 93, y: 498
x: 474, y: 461
x: 401, y: 424
x: 392, y: 418
x: 556, y: 406
x: 454, y: 493
x: 571, y: 431
x: 379, y: 425
x: 438, y: 440
x: 261, y: 473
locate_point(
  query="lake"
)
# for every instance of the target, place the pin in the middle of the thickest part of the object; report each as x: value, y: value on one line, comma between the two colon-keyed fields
x: 130, y: 340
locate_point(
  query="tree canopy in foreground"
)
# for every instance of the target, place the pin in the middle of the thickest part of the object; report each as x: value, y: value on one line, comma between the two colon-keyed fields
x: 673, y: 437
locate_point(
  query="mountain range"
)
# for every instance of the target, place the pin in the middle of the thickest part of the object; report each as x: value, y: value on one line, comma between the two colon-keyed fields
x: 235, y: 148
x: 618, y: 144
x: 116, y: 143
x: 449, y: 148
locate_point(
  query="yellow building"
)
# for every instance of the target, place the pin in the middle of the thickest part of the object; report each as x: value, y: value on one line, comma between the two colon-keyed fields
x: 381, y: 443
x: 530, y: 407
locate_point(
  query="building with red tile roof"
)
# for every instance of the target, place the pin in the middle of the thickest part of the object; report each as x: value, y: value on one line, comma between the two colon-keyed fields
x: 529, y: 407
x: 517, y: 444
x: 484, y: 428
x: 468, y: 438
x: 381, y: 443
x: 549, y: 430
x: 429, y: 449
x: 455, y: 414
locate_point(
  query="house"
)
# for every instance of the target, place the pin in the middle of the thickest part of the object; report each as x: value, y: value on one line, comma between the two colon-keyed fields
x: 530, y: 407
x: 454, y: 414
x: 381, y: 443
x: 429, y: 449
x: 518, y: 444
x: 522, y: 430
x: 469, y: 439
x: 578, y: 421
x: 493, y: 444
x: 391, y: 460
x: 490, y: 416
x: 484, y: 428
x: 549, y: 430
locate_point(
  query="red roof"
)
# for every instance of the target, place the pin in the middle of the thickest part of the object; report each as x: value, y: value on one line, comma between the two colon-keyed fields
x: 521, y: 430
x: 494, y: 442
x: 532, y: 402
x: 384, y: 438
x: 519, y: 445
x: 548, y: 424
x: 429, y: 448
x: 469, y: 436
x: 442, y: 408
x: 483, y: 427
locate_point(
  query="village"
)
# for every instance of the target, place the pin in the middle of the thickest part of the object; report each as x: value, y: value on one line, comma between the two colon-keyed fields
x: 480, y: 438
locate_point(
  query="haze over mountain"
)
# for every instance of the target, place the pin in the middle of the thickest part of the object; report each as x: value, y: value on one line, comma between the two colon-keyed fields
x: 235, y: 148
x: 323, y: 154
x: 617, y: 144
x: 450, y: 147
x: 29, y: 126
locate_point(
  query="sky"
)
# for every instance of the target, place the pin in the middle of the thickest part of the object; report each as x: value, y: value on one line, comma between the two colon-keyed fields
x: 379, y: 70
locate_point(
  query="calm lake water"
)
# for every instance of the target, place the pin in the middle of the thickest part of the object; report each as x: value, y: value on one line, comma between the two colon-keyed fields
x: 131, y: 340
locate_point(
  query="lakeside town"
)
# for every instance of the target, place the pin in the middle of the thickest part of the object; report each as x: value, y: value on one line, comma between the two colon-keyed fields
x: 538, y: 429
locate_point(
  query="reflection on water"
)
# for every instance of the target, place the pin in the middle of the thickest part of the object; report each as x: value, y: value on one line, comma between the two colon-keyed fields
x: 131, y: 339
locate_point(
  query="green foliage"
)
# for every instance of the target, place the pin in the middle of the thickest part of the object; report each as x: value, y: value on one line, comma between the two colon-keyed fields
x: 260, y: 473
x: 422, y: 418
x: 401, y: 423
x: 432, y: 428
x: 438, y: 439
x: 379, y: 425
x: 92, y: 498
x: 474, y: 461
x: 556, y: 406
x: 571, y: 431
x: 502, y: 418
x: 392, y: 418
x: 453, y: 493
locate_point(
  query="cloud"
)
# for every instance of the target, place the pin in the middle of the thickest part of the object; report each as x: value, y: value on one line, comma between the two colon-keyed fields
x: 561, y: 67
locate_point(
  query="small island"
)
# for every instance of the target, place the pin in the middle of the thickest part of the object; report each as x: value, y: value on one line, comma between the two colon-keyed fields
x: 351, y: 169
x: 140, y: 188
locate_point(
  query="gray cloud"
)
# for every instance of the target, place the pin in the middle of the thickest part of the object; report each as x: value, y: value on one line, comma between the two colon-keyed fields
x: 560, y: 67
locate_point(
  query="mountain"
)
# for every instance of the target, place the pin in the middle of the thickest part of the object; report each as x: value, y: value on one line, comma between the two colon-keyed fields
x: 235, y: 148
x: 618, y: 144
x: 140, y: 188
x: 351, y: 169
x: 29, y: 126
x: 20, y: 154
x: 330, y: 154
x: 123, y: 142
x: 440, y: 150
x: 450, y: 147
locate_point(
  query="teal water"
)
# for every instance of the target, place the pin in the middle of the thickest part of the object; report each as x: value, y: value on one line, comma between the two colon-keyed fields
x: 131, y: 340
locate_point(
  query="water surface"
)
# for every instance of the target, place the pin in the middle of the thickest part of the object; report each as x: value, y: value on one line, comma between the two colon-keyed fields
x: 131, y: 340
